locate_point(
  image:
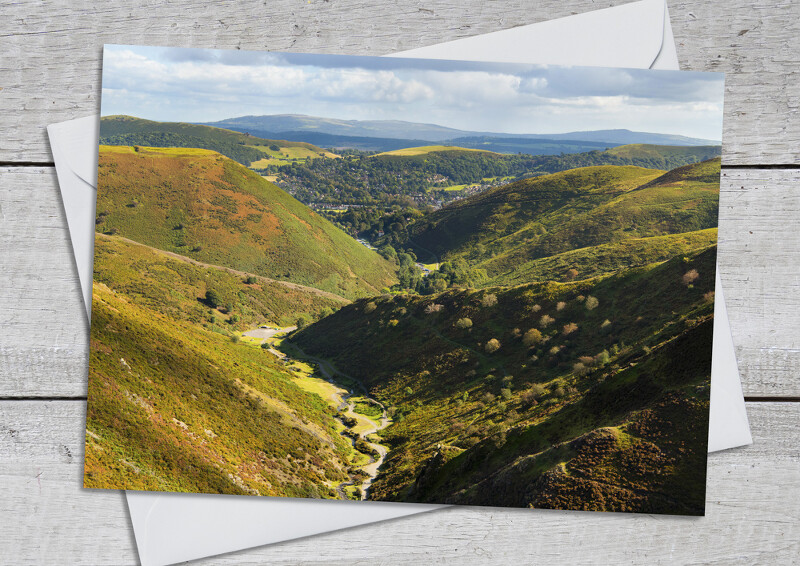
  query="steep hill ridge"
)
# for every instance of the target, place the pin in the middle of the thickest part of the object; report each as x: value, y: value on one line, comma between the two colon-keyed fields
x: 175, y: 408
x: 504, y: 228
x: 197, y: 203
x: 242, y: 148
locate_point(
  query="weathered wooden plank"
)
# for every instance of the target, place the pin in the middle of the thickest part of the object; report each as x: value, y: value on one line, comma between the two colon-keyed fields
x: 752, y: 515
x: 43, y: 334
x: 50, y: 63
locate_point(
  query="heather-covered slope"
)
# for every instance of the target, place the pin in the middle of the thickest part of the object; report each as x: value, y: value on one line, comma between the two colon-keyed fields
x: 584, y: 395
x: 174, y: 407
x: 504, y: 231
x: 200, y: 204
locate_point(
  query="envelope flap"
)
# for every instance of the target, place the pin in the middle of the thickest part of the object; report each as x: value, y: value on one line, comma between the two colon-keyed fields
x: 629, y: 35
x: 70, y: 139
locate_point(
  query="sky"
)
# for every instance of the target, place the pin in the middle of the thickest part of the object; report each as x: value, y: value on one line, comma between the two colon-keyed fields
x: 206, y: 85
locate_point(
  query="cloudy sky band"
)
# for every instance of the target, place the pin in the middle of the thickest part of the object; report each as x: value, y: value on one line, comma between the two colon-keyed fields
x: 203, y: 85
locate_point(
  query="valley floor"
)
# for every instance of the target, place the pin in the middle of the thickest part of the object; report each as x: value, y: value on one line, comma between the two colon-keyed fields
x: 355, y: 426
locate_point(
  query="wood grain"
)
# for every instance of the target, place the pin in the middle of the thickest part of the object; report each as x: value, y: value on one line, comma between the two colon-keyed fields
x: 750, y: 515
x: 51, y: 51
x: 44, y: 344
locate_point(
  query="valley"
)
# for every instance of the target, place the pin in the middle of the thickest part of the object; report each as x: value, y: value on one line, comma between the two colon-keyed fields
x: 470, y: 326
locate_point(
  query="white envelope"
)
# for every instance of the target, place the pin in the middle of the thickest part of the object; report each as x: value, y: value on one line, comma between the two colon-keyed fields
x: 176, y: 527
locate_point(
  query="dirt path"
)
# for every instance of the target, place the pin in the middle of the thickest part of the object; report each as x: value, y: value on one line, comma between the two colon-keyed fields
x: 244, y: 274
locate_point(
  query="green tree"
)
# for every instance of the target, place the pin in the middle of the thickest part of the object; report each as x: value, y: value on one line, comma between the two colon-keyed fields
x: 531, y: 337
x: 213, y: 298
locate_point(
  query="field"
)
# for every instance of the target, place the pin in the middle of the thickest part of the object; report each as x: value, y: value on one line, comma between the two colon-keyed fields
x: 426, y: 149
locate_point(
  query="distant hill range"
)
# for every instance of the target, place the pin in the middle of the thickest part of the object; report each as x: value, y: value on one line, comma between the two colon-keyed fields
x: 388, y: 135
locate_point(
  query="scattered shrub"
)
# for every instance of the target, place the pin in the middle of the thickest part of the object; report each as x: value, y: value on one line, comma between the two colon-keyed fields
x: 464, y: 323
x: 709, y: 297
x: 546, y: 321
x: 690, y: 277
x: 533, y: 394
x: 555, y: 350
x: 569, y: 328
x: 370, y: 307
x: 487, y: 398
x: 505, y: 393
x: 489, y: 300
x: 536, y: 308
x: 579, y: 369
x: 532, y: 337
x: 591, y: 302
x: 213, y: 298
x: 492, y: 345
x: 560, y: 305
x: 433, y: 308
x: 251, y: 280
x: 572, y: 274
x: 606, y: 324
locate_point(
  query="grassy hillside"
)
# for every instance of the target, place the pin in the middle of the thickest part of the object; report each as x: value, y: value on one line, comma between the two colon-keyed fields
x: 668, y: 156
x: 592, y: 261
x: 504, y: 231
x: 177, y: 289
x: 477, y: 226
x: 200, y: 204
x: 173, y: 407
x: 582, y: 395
x: 426, y: 149
x: 243, y: 148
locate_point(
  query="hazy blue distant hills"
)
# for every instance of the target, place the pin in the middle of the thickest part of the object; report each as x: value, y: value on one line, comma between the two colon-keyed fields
x: 394, y: 129
x: 387, y: 135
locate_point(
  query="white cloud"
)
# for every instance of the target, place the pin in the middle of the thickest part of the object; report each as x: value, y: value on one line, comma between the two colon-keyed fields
x: 206, y: 85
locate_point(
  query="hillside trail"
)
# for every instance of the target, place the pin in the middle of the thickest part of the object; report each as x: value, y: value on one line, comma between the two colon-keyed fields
x: 371, y: 469
x: 244, y: 274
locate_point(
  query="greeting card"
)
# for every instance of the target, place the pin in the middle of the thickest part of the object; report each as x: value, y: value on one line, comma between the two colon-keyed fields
x: 403, y: 280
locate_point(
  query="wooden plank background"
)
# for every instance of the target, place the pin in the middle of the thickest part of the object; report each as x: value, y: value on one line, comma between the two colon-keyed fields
x: 50, y: 71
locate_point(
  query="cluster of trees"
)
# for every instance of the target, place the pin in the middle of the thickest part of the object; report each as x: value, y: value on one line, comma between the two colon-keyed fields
x: 362, y: 177
x: 456, y: 273
x: 389, y: 224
